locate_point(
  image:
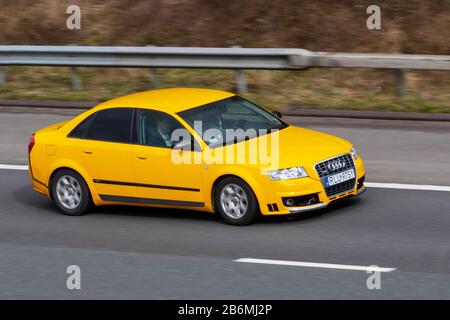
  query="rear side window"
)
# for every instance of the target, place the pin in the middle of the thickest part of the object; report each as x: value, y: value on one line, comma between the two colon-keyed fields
x: 81, y: 129
x: 111, y: 125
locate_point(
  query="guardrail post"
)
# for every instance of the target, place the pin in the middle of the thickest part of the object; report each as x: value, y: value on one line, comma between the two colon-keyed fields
x: 153, y: 74
x: 2, y: 76
x: 75, y: 78
x: 241, y: 83
x: 400, y: 82
x: 153, y: 77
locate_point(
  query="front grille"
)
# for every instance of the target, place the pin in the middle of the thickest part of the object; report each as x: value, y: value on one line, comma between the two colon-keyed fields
x: 323, y: 170
x: 333, y: 166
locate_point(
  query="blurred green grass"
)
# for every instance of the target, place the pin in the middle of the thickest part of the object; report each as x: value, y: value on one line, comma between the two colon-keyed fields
x: 354, y: 89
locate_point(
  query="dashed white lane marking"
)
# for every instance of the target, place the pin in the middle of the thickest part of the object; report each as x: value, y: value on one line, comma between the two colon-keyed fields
x: 315, y: 265
x: 368, y: 184
x: 13, y: 167
x: 407, y: 186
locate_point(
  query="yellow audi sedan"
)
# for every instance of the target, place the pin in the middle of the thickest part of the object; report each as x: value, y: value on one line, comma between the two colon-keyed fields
x: 196, y: 149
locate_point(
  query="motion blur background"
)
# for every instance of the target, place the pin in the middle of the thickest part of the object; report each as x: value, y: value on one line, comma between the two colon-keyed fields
x: 407, y: 26
x: 147, y: 253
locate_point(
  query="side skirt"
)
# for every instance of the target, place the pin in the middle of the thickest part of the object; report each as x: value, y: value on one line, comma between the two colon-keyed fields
x: 106, y: 197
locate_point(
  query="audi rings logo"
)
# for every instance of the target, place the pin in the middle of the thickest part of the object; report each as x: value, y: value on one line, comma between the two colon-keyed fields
x: 336, y: 165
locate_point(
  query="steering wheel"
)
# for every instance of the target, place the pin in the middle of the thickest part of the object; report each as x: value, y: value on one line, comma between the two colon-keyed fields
x: 219, y: 136
x: 238, y: 123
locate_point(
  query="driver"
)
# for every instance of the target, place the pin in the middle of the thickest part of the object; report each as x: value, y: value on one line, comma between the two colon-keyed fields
x: 213, y: 119
x: 163, y: 128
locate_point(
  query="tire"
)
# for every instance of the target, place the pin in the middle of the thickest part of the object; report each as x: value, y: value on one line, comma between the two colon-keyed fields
x: 235, y: 202
x: 73, y: 197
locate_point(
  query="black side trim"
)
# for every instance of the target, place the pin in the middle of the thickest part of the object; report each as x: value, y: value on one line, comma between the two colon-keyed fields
x: 121, y: 183
x: 151, y: 201
x: 361, y: 182
x: 31, y: 173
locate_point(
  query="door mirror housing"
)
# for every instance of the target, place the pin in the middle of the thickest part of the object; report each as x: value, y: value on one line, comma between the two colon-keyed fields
x: 183, y: 145
x: 277, y: 114
x: 186, y: 145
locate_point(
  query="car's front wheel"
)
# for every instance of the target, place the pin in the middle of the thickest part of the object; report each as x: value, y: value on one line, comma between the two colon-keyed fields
x: 235, y: 201
x: 70, y: 192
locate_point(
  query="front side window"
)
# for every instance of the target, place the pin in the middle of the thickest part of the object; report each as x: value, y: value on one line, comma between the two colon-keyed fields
x: 158, y: 129
x: 112, y: 125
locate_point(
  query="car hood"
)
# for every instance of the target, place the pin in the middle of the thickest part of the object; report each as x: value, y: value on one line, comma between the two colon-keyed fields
x: 285, y: 148
x: 299, y: 147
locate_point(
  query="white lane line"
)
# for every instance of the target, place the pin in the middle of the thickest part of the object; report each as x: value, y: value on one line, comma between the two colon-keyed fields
x: 13, y: 167
x: 407, y: 186
x: 367, y: 184
x: 315, y: 265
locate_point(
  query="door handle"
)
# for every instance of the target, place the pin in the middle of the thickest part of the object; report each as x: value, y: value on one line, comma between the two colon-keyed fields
x: 87, y: 151
x: 142, y: 157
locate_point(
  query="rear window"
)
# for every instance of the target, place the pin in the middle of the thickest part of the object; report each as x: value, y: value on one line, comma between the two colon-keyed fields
x: 111, y: 125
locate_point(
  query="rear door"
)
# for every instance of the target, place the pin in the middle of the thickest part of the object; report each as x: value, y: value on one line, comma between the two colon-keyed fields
x: 106, y: 151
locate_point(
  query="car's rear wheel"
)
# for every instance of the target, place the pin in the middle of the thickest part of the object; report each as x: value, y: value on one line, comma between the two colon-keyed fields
x: 70, y: 192
x: 235, y: 201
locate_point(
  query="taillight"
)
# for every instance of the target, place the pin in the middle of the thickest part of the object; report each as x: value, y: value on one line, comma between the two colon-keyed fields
x: 31, y: 143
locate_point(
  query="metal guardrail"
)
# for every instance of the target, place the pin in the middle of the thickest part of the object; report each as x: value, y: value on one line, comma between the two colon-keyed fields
x: 155, y: 57
x: 217, y: 58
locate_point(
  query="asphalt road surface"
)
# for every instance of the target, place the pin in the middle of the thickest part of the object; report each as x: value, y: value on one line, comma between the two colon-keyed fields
x: 144, y: 253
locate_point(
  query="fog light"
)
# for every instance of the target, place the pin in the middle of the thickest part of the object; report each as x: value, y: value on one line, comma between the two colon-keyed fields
x: 290, y: 201
x: 300, y: 201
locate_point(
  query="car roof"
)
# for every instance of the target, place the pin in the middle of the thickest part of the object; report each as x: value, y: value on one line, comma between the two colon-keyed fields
x: 171, y: 100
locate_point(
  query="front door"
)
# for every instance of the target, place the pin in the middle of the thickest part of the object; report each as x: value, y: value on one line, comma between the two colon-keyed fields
x: 160, y: 179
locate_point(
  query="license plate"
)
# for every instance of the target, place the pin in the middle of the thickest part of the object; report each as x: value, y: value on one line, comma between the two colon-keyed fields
x: 339, y: 177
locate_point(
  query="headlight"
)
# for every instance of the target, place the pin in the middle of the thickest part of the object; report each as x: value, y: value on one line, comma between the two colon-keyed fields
x: 354, y: 153
x: 289, y: 173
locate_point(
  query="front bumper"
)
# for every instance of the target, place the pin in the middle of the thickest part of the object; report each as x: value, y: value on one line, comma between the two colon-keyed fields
x: 312, y: 207
x: 323, y: 205
x: 309, y: 187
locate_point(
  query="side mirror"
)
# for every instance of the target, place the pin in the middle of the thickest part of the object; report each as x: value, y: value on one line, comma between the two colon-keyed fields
x: 277, y: 114
x: 187, y: 145
x: 183, y: 145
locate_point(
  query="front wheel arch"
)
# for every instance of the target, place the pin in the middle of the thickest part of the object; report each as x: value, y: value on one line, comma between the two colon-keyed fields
x: 220, y: 178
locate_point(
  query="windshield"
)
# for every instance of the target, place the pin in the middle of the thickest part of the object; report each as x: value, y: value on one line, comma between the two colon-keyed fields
x: 230, y: 120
